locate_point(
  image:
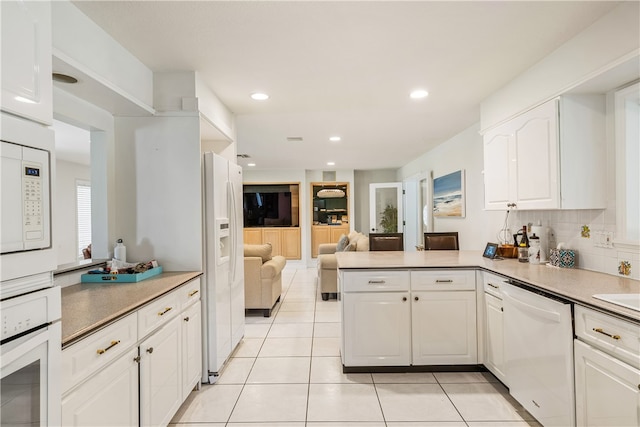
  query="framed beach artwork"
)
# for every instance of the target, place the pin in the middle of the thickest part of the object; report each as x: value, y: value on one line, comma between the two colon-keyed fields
x: 448, y: 195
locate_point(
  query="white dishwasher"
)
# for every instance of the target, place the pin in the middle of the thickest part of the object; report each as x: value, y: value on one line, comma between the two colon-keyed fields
x: 539, y: 354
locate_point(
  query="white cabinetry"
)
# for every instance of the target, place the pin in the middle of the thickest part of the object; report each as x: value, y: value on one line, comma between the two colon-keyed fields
x: 607, y: 370
x: 494, y: 327
x: 549, y: 157
x: 160, y: 375
x: 26, y: 59
x: 402, y: 317
x: 140, y: 368
x: 109, y: 398
x: 443, y: 318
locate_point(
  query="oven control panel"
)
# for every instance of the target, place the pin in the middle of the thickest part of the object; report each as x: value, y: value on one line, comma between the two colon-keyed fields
x: 28, y: 312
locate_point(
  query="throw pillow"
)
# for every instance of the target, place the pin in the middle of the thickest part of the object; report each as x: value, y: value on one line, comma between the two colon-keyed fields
x: 351, y: 247
x: 342, y: 243
x: 363, y: 244
x: 262, y: 251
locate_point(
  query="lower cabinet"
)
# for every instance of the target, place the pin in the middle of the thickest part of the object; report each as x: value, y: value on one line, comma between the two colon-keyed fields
x: 402, y: 318
x: 607, y: 389
x: 109, y: 398
x: 120, y: 378
x: 494, y: 337
x: 160, y: 375
x: 376, y: 329
x: 284, y: 241
x: 444, y: 328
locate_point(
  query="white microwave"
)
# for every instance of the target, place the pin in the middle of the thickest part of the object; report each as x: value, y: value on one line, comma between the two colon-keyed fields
x: 26, y: 198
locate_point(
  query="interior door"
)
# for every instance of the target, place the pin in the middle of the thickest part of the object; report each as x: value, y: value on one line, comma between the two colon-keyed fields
x: 386, y: 208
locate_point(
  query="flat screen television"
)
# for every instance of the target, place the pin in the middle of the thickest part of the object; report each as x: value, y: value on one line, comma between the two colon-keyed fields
x: 267, y: 206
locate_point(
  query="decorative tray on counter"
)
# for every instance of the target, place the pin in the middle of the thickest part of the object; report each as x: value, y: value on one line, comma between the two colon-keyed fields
x: 120, y: 278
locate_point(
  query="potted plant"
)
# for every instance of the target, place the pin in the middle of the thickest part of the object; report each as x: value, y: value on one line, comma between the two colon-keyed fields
x: 389, y: 220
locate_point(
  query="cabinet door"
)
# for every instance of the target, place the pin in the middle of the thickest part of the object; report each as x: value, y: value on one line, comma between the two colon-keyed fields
x: 161, y: 375
x: 191, y: 348
x: 536, y: 145
x: 607, y: 390
x: 291, y: 243
x: 108, y: 398
x: 337, y: 232
x: 444, y: 328
x: 273, y: 236
x: 319, y: 234
x: 376, y: 329
x: 252, y: 236
x: 494, y: 337
x: 26, y: 59
x: 498, y: 166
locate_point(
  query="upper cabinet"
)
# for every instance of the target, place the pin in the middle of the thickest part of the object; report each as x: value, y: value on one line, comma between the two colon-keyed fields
x: 26, y: 60
x: 550, y: 157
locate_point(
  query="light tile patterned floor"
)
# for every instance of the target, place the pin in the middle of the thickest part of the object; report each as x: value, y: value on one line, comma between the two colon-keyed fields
x: 287, y: 373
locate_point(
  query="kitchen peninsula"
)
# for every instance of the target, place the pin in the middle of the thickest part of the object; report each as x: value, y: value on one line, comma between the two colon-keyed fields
x: 539, y: 329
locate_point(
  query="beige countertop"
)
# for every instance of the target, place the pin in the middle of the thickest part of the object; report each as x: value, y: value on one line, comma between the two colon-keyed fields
x: 573, y: 284
x: 87, y: 307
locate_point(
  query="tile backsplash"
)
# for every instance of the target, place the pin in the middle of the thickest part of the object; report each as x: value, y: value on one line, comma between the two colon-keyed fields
x: 590, y: 232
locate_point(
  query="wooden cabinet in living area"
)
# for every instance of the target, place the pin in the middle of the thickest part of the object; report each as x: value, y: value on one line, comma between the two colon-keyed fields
x: 284, y: 241
x: 550, y: 157
x: 26, y: 59
x: 326, y: 234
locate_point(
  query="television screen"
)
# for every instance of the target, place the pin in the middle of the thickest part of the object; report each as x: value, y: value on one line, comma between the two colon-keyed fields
x: 267, y: 206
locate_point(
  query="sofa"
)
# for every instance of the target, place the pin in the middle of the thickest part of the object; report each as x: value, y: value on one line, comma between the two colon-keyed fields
x: 262, y: 278
x: 327, y: 265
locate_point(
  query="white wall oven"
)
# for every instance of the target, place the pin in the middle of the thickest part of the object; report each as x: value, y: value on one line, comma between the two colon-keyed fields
x: 30, y: 350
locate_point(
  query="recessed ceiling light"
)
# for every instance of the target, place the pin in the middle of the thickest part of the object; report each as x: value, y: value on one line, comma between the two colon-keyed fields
x: 251, y: 164
x: 419, y: 93
x: 335, y: 138
x: 259, y: 96
x: 331, y: 163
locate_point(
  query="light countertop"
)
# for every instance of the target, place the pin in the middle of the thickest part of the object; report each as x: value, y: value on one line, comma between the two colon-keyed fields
x: 87, y: 307
x: 573, y: 284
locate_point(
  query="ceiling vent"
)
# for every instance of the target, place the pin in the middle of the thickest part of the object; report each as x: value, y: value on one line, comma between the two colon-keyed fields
x: 243, y: 156
x: 294, y: 139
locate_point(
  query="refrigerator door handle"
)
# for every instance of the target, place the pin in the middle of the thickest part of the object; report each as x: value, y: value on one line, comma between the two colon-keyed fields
x: 231, y: 201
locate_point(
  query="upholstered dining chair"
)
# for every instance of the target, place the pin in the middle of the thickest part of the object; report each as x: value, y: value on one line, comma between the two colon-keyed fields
x: 386, y: 242
x: 441, y: 241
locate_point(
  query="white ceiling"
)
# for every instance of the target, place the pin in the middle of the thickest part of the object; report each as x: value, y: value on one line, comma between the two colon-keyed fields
x: 345, y: 68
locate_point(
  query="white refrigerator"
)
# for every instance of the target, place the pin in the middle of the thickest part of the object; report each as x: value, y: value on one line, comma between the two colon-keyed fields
x: 223, y: 291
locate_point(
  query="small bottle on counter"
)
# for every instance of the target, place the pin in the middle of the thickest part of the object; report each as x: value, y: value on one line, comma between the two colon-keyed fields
x: 120, y: 251
x: 523, y: 247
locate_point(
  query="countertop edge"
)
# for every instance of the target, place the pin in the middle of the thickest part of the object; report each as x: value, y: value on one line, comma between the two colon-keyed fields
x: 95, y: 326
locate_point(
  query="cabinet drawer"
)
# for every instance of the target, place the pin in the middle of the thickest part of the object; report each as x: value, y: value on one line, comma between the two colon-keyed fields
x: 375, y: 280
x: 189, y: 293
x: 615, y: 336
x: 158, y: 312
x: 91, y: 354
x: 492, y: 284
x: 443, y: 280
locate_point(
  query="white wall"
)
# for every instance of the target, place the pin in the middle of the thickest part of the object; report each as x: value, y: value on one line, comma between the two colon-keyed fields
x: 463, y: 151
x: 64, y: 225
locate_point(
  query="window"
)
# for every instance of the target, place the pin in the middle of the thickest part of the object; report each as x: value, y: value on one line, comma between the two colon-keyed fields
x: 83, y: 215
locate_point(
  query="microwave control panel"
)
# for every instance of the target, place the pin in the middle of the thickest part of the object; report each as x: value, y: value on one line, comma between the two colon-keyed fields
x: 26, y: 223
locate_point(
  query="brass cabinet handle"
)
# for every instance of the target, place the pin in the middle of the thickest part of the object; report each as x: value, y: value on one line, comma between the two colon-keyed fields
x: 150, y: 350
x: 444, y: 281
x: 493, y: 286
x: 376, y: 282
x: 600, y: 331
x: 166, y: 310
x: 186, y: 319
x: 104, y: 350
x: 192, y: 293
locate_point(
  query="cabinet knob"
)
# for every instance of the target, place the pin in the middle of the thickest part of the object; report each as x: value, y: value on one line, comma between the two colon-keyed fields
x: 416, y: 298
x: 404, y: 298
x: 150, y: 350
x: 136, y: 359
x: 186, y: 319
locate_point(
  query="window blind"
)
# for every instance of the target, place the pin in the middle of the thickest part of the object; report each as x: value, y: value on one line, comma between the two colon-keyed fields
x: 83, y: 221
